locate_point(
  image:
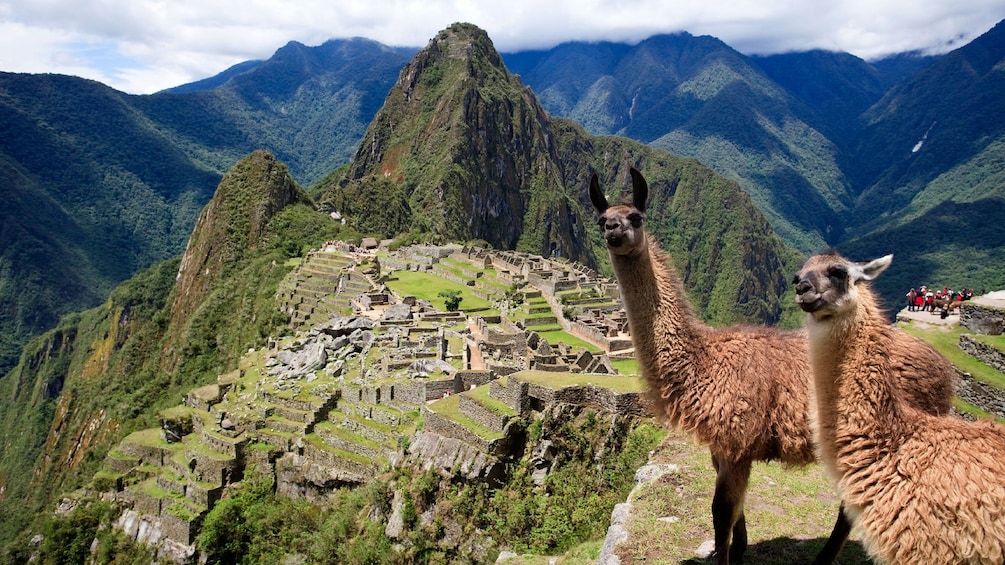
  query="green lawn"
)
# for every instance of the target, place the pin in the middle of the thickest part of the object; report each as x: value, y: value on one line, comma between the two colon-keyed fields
x: 617, y: 383
x: 427, y: 287
x: 560, y: 336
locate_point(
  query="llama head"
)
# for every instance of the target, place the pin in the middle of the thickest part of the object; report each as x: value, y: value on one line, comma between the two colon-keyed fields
x: 827, y: 285
x: 621, y: 224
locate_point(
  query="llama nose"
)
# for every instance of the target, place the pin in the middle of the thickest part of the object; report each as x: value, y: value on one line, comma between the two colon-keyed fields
x: 803, y: 286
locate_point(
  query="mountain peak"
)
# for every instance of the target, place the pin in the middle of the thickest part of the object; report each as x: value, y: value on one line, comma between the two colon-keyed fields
x: 455, y: 111
x: 249, y: 195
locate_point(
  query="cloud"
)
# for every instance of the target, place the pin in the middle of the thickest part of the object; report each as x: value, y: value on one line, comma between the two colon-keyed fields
x: 141, y: 46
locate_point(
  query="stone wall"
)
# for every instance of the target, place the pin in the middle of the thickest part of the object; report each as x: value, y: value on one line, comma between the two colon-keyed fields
x: 511, y: 392
x: 985, y: 396
x: 985, y: 353
x: 630, y: 403
x: 149, y: 454
x: 482, y: 414
x: 179, y: 529
x: 982, y: 319
x: 448, y: 428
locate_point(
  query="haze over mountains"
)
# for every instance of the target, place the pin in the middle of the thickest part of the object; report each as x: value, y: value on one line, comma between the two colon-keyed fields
x: 895, y: 156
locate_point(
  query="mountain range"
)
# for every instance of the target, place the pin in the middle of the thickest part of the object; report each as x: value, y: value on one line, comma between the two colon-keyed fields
x: 446, y: 143
x: 900, y: 155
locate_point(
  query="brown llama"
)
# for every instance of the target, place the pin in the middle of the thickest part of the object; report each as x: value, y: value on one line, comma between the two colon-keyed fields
x: 920, y: 488
x: 741, y: 390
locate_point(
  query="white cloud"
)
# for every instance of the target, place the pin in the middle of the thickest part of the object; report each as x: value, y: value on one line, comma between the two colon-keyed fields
x: 141, y: 46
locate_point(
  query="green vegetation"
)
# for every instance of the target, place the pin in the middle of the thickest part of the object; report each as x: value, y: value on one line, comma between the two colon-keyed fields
x: 112, y: 191
x: 789, y: 512
x: 253, y: 525
x: 947, y: 342
x: 618, y: 383
x: 451, y: 299
x: 429, y: 287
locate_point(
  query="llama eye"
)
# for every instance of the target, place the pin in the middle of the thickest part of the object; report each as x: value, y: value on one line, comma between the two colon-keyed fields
x: 635, y: 219
x: 602, y: 222
x: 837, y: 272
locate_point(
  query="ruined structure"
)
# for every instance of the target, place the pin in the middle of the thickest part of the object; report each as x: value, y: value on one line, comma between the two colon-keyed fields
x: 337, y: 403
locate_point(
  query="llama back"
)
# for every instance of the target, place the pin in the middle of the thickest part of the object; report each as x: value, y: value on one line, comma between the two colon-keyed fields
x: 746, y: 415
x: 939, y: 498
x: 923, y: 378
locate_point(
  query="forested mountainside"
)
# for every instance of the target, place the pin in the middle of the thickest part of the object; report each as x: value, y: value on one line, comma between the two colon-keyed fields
x: 462, y: 150
x: 458, y: 149
x: 871, y: 158
x: 103, y: 372
x: 100, y: 184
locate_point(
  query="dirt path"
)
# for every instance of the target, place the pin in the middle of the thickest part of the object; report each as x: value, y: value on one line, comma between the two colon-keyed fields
x: 476, y: 360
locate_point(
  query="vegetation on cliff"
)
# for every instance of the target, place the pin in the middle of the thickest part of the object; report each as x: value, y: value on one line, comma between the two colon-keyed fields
x: 103, y: 372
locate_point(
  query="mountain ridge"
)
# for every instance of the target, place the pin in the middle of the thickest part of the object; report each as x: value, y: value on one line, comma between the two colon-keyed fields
x: 806, y: 179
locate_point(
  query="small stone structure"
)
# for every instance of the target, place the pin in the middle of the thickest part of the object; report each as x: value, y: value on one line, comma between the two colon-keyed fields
x: 982, y: 319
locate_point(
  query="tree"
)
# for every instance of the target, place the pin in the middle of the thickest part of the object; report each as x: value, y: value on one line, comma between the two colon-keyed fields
x: 452, y: 299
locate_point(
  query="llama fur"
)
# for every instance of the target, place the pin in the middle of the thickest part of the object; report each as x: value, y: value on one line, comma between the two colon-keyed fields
x: 742, y: 390
x: 920, y: 488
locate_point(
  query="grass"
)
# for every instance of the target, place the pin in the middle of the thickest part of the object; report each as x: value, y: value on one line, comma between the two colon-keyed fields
x: 449, y: 408
x: 946, y: 341
x: 481, y: 394
x: 150, y: 437
x: 789, y: 512
x: 627, y: 366
x: 562, y: 336
x: 617, y: 383
x: 428, y: 286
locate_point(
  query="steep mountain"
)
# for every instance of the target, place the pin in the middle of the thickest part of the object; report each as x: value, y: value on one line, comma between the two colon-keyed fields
x: 100, y: 184
x: 79, y: 387
x: 837, y: 87
x: 697, y: 97
x: 931, y: 173
x: 462, y: 150
x: 897, y: 155
x: 93, y: 193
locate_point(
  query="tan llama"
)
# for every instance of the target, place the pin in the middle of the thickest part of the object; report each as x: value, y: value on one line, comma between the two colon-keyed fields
x: 742, y: 390
x: 920, y: 488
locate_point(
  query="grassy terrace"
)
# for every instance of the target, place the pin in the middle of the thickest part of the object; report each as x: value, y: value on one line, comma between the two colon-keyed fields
x: 449, y: 408
x: 627, y: 367
x: 481, y: 394
x: 561, y: 336
x: 428, y: 286
x: 195, y: 445
x: 947, y: 342
x: 617, y: 383
x: 347, y: 435
x: 150, y: 437
x: 319, y: 443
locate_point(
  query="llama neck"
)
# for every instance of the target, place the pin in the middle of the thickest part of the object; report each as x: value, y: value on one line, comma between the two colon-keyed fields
x: 660, y: 317
x: 858, y: 418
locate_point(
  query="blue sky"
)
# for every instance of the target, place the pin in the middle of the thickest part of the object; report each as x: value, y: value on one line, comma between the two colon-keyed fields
x: 142, y: 46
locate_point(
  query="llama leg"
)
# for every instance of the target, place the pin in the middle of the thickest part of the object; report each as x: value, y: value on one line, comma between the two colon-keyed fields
x: 727, y: 509
x: 842, y: 527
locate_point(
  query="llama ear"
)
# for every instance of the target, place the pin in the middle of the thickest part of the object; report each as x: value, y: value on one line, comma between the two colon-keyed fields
x: 640, y: 190
x: 872, y: 269
x: 597, y: 196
